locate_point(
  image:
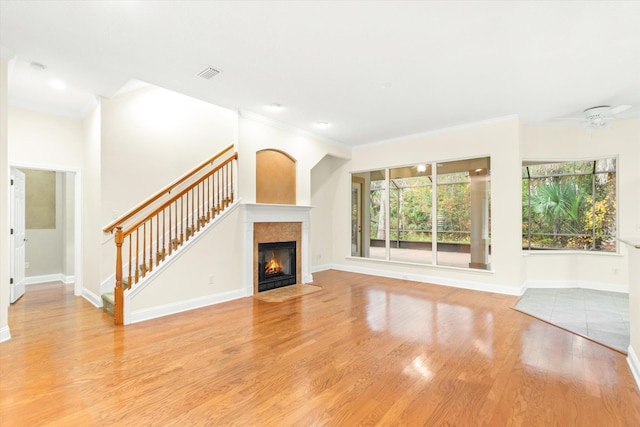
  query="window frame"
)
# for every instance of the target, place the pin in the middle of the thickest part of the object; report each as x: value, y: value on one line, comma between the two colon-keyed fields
x: 564, y: 250
x: 433, y: 172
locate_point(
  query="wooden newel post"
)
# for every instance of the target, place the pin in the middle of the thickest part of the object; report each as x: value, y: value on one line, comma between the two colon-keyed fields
x: 233, y: 176
x: 118, y: 309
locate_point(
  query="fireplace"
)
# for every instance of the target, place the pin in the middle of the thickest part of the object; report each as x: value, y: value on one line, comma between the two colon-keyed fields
x: 276, y: 223
x: 276, y: 265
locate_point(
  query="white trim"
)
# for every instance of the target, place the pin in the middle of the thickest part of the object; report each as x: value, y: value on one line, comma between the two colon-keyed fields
x: 144, y: 282
x: 436, y: 280
x: 558, y: 252
x: 418, y: 264
x: 77, y: 232
x: 319, y: 268
x: 45, y: 278
x: 129, y: 294
x: 582, y: 284
x: 92, y: 298
x: 77, y: 216
x: 439, y: 131
x: 180, y: 306
x: 48, y: 278
x: 634, y: 364
x: 258, y: 212
x: 5, y: 334
x: 279, y: 125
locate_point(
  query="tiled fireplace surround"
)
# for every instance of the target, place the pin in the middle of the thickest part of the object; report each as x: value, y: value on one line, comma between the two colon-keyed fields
x: 275, y: 223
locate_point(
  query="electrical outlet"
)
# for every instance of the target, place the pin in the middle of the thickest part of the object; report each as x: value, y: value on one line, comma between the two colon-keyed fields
x: 211, y: 279
x: 26, y: 265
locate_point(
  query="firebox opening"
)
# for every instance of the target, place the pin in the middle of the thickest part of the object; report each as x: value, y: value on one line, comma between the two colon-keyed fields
x: 276, y: 265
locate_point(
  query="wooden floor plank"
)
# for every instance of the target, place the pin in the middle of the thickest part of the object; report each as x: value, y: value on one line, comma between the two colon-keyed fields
x: 365, y: 351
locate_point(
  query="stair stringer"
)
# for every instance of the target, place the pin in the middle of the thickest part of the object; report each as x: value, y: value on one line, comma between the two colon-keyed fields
x: 216, y: 294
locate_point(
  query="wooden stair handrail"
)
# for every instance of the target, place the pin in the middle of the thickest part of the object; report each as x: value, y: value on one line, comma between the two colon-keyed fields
x: 166, y: 226
x: 109, y: 228
x: 133, y: 227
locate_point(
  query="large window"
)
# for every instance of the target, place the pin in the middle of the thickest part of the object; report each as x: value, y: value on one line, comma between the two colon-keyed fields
x: 430, y: 213
x: 569, y: 205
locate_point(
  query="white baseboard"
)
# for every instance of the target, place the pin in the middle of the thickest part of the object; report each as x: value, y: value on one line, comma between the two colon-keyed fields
x: 180, y: 306
x: 318, y: 268
x: 45, y: 278
x: 67, y: 280
x: 436, y: 280
x: 92, y: 298
x: 582, y: 284
x: 634, y: 364
x: 5, y: 334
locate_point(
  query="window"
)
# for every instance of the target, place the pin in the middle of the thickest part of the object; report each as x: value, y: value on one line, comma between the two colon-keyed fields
x: 569, y: 205
x: 429, y: 213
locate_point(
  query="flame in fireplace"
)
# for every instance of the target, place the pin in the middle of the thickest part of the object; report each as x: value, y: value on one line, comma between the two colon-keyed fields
x: 273, y: 266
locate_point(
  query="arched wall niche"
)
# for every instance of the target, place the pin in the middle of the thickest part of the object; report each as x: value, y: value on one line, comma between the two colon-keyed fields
x: 275, y: 177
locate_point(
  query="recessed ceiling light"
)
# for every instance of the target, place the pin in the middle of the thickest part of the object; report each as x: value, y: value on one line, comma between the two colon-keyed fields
x: 274, y: 107
x: 422, y: 168
x: 57, y: 84
x: 478, y: 170
x: 321, y: 125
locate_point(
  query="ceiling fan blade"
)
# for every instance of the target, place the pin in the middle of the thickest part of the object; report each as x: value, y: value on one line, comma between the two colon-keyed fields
x: 619, y: 109
x: 573, y: 119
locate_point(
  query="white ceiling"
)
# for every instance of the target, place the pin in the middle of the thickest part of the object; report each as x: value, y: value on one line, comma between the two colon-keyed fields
x: 374, y: 70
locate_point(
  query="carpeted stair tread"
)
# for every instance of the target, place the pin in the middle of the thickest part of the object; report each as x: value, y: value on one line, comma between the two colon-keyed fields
x: 108, y: 302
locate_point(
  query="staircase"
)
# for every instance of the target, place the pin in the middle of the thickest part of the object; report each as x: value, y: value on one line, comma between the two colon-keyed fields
x: 150, y: 233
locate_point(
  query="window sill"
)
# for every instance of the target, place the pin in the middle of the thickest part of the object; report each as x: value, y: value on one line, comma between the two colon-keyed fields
x: 417, y: 264
x: 569, y: 252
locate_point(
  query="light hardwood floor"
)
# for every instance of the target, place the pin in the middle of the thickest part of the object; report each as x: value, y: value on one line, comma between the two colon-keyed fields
x: 363, y: 351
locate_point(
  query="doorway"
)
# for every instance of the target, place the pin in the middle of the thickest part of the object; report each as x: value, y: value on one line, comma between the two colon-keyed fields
x: 357, y: 185
x: 51, y: 249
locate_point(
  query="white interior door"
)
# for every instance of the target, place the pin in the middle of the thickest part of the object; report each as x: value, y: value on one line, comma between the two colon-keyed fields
x: 17, y: 235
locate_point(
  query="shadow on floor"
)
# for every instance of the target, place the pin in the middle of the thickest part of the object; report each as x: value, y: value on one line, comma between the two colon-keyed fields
x: 600, y: 316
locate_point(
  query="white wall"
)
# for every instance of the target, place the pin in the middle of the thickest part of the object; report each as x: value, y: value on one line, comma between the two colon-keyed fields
x: 622, y: 140
x: 186, y: 283
x: 255, y: 135
x: 45, y: 248
x: 498, y: 139
x: 4, y: 206
x: 324, y: 186
x: 51, y: 252
x: 68, y: 217
x: 151, y: 137
x: 634, y: 312
x: 91, y: 224
x: 43, y: 141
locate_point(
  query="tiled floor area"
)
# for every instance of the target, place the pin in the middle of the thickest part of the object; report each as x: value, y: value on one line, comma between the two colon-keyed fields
x: 599, y: 315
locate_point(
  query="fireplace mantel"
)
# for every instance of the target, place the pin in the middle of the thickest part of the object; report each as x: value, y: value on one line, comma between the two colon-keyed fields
x: 271, y: 213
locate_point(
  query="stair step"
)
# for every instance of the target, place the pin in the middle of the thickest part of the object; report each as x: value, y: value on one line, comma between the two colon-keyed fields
x: 108, y: 299
x: 108, y: 302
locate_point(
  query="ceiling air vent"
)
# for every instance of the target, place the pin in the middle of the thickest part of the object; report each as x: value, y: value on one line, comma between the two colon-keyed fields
x: 208, y: 72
